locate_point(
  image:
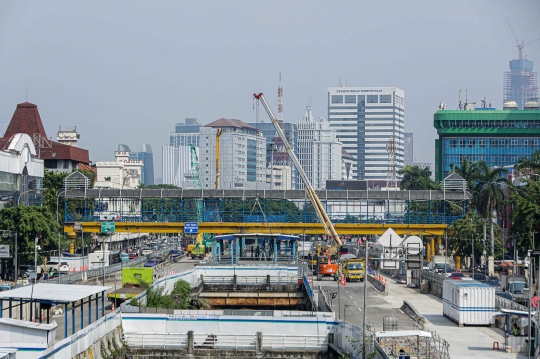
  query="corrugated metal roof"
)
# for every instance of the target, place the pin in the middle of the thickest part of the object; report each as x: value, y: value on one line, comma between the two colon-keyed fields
x: 58, y: 293
x: 27, y: 324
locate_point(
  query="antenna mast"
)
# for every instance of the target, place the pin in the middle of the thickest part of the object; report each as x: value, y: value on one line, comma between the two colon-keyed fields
x: 391, y: 175
x: 280, y: 100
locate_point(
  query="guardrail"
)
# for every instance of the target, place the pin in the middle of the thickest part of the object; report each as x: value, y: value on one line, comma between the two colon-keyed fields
x: 258, y: 280
x: 98, y: 272
x: 221, y: 341
x: 503, y: 303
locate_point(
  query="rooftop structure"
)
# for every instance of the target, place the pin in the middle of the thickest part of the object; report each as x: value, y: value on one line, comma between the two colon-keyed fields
x: 499, y: 137
x: 59, y: 156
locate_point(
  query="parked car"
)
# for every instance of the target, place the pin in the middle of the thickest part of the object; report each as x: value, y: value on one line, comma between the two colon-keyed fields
x: 133, y: 255
x: 60, y: 267
x: 504, y: 295
x: 151, y: 263
x: 481, y: 277
x: 457, y: 276
x: 146, y: 252
x: 5, y: 286
x: 494, y: 282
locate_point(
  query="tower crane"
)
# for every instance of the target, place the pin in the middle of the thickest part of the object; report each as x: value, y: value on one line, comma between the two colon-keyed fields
x: 520, y: 44
x: 317, y: 204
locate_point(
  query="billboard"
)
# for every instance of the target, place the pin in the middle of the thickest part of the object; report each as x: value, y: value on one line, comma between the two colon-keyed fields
x: 351, y: 185
x: 4, y: 251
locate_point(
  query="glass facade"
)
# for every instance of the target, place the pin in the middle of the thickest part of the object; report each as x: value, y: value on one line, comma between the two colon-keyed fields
x: 500, y: 138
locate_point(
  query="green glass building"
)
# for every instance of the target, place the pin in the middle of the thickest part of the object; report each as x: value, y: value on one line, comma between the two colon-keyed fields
x: 499, y: 137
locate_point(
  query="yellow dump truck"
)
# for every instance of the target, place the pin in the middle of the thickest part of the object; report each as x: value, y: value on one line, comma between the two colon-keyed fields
x: 353, y: 269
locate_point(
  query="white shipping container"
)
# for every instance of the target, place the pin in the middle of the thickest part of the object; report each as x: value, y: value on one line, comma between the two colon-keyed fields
x: 468, y: 302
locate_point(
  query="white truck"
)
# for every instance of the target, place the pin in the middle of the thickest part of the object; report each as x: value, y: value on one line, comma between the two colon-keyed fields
x: 74, y: 264
x: 96, y: 258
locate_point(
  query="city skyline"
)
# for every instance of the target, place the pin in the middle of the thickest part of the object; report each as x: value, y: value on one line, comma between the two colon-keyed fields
x: 141, y: 68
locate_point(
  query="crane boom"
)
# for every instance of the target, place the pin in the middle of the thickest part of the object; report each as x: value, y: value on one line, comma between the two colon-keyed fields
x: 317, y: 204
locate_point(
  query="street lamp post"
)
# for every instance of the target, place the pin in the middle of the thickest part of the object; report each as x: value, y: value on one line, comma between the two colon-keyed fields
x: 6, y: 233
x: 30, y: 190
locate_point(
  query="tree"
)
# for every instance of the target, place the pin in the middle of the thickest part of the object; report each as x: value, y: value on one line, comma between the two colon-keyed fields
x: 490, y: 195
x: 526, y: 213
x: 468, y: 170
x: 54, y: 182
x: 529, y: 164
x: 416, y: 178
x: 463, y: 231
x: 31, y: 222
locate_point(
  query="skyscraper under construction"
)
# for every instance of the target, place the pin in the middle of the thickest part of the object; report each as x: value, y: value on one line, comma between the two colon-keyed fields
x: 520, y: 83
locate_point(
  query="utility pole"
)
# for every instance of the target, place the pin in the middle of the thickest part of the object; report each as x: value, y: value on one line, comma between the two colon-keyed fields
x: 103, y: 259
x: 529, y: 303
x: 16, y: 275
x: 365, y: 295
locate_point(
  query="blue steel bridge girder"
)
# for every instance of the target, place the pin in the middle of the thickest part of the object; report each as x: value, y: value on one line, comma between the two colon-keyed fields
x: 375, y: 207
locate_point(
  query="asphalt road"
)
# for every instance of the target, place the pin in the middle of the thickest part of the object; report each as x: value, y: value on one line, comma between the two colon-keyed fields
x: 351, y: 305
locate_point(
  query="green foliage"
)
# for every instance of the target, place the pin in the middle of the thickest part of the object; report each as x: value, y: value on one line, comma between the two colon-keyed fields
x: 416, y: 178
x: 54, y: 183
x: 526, y: 213
x: 530, y: 164
x: 468, y: 170
x: 179, y: 298
x: 360, y: 346
x: 490, y: 189
x: 464, y: 230
x: 29, y: 223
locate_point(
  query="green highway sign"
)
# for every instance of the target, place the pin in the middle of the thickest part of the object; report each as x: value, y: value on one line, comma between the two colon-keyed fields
x: 107, y: 227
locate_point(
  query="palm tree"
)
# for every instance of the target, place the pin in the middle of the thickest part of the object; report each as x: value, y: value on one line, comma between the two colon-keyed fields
x: 531, y: 164
x: 416, y: 178
x: 468, y: 170
x: 489, y: 194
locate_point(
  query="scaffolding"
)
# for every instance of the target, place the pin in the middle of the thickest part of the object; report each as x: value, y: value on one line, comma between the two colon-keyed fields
x: 520, y: 83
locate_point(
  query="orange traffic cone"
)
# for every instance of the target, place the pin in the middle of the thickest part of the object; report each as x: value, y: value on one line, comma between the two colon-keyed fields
x: 112, y: 309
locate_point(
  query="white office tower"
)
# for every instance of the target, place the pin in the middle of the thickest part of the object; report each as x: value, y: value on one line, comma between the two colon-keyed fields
x: 176, y: 163
x: 365, y: 119
x: 242, y: 159
x: 319, y: 151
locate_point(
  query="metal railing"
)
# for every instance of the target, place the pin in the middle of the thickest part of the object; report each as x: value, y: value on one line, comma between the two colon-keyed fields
x: 503, y: 303
x: 226, y: 341
x: 296, y: 342
x: 258, y: 280
x: 98, y: 272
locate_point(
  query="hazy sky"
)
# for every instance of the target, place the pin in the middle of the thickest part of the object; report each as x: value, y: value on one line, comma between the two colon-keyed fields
x: 127, y: 71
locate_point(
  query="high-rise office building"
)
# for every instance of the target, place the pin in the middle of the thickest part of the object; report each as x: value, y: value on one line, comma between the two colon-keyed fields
x: 242, y: 160
x: 147, y: 157
x: 365, y: 119
x: 319, y: 151
x: 408, y: 152
x: 520, y: 83
x: 176, y: 155
x: 499, y: 137
x: 276, y: 149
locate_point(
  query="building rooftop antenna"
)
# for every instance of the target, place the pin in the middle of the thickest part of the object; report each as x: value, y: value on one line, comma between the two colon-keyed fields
x: 280, y: 100
x: 520, y: 44
x: 460, y: 104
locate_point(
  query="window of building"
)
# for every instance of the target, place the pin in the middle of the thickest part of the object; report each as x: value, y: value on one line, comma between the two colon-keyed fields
x: 372, y: 98
x: 385, y: 99
x: 350, y: 98
x: 461, y: 143
x: 481, y: 143
x: 361, y: 98
x: 514, y: 142
x: 66, y: 165
x: 337, y: 98
x: 471, y: 143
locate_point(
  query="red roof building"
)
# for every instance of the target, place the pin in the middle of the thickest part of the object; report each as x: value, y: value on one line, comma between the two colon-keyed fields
x: 58, y: 157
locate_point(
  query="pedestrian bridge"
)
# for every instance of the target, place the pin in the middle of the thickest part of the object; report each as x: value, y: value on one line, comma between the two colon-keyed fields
x: 288, y: 211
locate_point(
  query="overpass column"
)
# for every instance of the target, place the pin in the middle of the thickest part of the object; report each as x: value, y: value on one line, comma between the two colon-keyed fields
x: 439, y: 242
x: 432, y: 246
x: 190, y: 344
x: 428, y: 251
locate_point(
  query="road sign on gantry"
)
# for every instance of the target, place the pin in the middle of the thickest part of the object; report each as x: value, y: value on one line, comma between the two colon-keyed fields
x: 191, y: 227
x: 535, y: 253
x: 107, y: 227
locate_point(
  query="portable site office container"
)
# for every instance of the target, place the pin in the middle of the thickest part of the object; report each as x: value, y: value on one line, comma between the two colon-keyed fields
x: 468, y: 302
